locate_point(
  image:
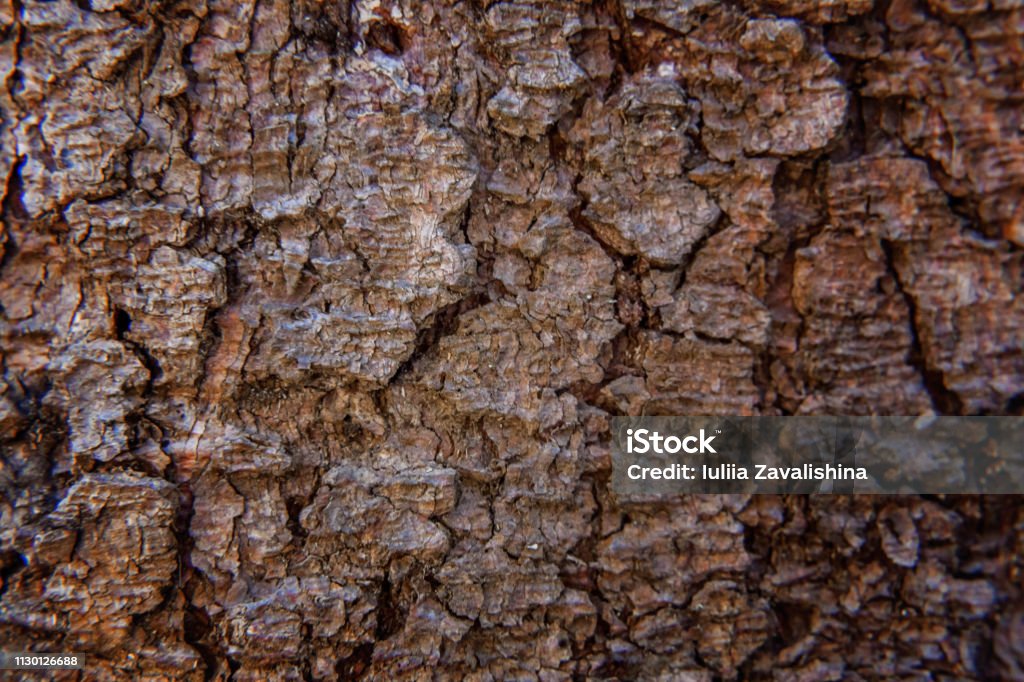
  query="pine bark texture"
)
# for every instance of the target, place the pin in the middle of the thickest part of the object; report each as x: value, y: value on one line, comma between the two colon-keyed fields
x: 315, y: 314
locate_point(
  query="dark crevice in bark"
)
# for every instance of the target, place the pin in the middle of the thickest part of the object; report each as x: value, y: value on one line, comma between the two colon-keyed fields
x: 122, y: 326
x: 390, y: 618
x: 580, y: 222
x: 357, y: 665
x: 199, y: 629
x: 11, y: 562
x: 14, y: 213
x: 442, y: 323
x: 388, y: 37
x: 944, y: 400
x: 619, y: 359
x: 13, y: 206
x: 698, y: 246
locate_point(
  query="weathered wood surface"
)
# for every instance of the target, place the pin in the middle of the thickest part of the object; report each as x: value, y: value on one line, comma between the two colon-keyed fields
x: 314, y: 315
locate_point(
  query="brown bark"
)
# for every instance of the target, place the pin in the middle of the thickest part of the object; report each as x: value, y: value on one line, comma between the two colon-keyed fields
x: 314, y: 316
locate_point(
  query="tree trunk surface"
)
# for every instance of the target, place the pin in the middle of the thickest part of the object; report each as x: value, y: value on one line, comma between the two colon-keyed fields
x: 315, y: 315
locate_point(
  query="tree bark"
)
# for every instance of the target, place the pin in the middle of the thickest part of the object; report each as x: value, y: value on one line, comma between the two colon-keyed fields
x: 315, y: 315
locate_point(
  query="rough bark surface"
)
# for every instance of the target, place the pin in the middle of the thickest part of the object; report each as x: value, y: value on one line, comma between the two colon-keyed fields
x: 315, y: 313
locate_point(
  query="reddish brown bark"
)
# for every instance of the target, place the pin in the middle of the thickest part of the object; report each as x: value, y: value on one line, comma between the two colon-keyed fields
x: 314, y: 316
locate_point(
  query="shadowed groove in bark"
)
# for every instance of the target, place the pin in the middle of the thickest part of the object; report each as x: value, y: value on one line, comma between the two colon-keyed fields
x: 944, y: 400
